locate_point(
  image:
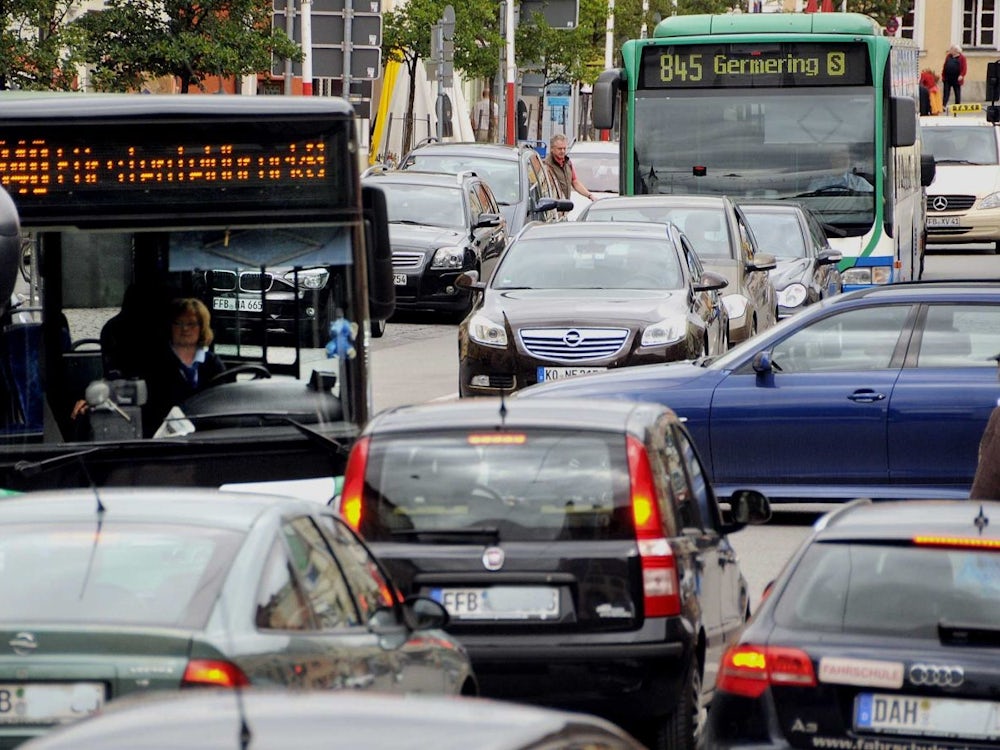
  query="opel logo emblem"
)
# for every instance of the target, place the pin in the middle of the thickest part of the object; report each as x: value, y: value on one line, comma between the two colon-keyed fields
x: 572, y: 338
x: 936, y: 675
x: 940, y: 203
x: 23, y: 644
x: 493, y: 558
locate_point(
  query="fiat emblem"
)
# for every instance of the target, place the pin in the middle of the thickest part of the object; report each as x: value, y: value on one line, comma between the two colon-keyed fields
x: 940, y: 203
x: 493, y: 558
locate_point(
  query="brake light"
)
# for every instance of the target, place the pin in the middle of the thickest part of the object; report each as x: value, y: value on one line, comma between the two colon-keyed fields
x: 213, y: 673
x: 749, y: 670
x: 354, y: 483
x: 660, y: 587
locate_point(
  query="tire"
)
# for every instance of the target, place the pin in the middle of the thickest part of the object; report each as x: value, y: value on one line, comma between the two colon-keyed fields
x: 682, y: 729
x: 378, y: 328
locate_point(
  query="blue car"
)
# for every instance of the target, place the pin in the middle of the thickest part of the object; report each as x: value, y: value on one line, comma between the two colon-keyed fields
x: 883, y: 393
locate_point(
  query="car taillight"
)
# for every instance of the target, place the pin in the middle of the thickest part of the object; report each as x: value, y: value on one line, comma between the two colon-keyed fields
x: 660, y: 587
x: 213, y: 673
x: 354, y: 483
x: 749, y: 670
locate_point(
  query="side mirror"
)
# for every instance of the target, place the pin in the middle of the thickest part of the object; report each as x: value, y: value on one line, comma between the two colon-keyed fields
x: 470, y: 280
x: 829, y: 257
x: 423, y: 613
x: 603, y: 98
x: 761, y: 363
x: 762, y: 262
x: 904, y: 120
x: 381, y: 289
x: 488, y: 220
x: 711, y: 281
x: 928, y: 169
x: 747, y: 508
x: 545, y: 204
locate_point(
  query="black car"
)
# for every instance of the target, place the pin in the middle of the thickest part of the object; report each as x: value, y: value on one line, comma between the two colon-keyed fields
x: 522, y: 184
x: 580, y: 297
x: 577, y: 545
x: 882, y: 632
x: 440, y: 225
x: 807, y: 265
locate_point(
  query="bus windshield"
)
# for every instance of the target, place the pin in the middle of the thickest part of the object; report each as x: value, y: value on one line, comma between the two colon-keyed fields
x: 195, y: 290
x: 812, y: 145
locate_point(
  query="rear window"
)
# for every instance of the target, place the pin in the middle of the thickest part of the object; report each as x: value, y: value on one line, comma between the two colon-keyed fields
x: 904, y: 591
x: 539, y: 485
x: 113, y: 573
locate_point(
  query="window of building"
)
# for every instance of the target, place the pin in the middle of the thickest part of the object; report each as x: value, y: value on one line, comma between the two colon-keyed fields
x: 978, y: 23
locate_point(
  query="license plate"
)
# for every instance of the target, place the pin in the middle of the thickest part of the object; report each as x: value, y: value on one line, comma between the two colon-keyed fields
x: 561, y: 373
x: 246, y: 304
x: 38, y: 703
x: 500, y: 602
x: 399, y: 279
x: 909, y: 714
x: 944, y: 221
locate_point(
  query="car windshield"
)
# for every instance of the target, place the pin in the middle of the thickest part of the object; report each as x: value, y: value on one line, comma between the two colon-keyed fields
x: 881, y: 589
x: 705, y: 227
x: 598, y: 172
x: 503, y: 175
x: 112, y: 573
x: 589, y: 263
x: 424, y: 204
x: 779, y: 234
x: 533, y: 485
x: 967, y: 145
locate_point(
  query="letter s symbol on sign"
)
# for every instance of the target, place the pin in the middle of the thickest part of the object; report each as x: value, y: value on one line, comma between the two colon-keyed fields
x: 835, y: 64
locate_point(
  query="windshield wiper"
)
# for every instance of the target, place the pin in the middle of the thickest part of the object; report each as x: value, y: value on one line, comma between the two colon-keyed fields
x: 471, y: 535
x: 959, y: 161
x: 407, y: 221
x: 315, y: 436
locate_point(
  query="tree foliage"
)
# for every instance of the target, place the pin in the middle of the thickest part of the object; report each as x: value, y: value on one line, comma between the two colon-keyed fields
x: 37, y: 47
x: 880, y: 10
x: 130, y: 40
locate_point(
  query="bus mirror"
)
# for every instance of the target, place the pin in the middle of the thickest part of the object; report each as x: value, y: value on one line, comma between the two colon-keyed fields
x: 10, y: 247
x: 605, y: 93
x: 928, y: 169
x: 904, y: 121
x: 993, y: 81
x: 993, y: 114
x: 381, y: 292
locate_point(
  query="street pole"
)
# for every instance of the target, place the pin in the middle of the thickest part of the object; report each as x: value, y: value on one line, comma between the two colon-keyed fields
x: 307, y: 65
x: 290, y: 31
x: 438, y: 31
x: 348, y: 46
x: 609, y: 44
x: 511, y: 76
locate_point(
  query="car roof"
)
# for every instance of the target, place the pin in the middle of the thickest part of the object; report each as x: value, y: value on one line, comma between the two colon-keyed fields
x: 935, y: 121
x: 489, y: 150
x: 605, y: 415
x: 719, y: 201
x: 187, y: 505
x: 596, y: 229
x: 331, y: 719
x: 594, y: 147
x: 418, y: 177
x: 926, y: 291
x: 772, y: 205
x: 903, y: 520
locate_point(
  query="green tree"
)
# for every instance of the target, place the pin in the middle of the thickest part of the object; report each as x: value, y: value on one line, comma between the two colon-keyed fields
x: 131, y: 39
x: 37, y: 49
x: 880, y: 10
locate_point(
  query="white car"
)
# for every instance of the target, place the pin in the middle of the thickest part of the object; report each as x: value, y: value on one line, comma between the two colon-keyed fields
x: 596, y: 164
x: 963, y: 202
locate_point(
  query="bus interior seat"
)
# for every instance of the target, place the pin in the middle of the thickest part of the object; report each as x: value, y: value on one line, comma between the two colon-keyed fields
x: 22, y: 343
x: 82, y: 365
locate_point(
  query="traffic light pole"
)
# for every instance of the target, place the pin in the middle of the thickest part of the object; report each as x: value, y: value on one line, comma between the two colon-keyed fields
x: 511, y: 76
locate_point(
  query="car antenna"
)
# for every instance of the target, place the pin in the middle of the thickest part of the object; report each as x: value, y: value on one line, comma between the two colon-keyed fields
x: 100, y: 523
x: 503, y: 409
x: 245, y: 735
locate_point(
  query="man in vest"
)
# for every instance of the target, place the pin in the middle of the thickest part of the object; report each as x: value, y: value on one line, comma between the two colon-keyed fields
x: 561, y: 169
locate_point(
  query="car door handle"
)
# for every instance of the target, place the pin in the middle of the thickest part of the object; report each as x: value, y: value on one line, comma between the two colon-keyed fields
x: 866, y: 396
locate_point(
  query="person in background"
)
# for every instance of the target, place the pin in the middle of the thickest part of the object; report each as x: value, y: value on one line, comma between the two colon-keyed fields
x: 484, y: 117
x: 930, y: 93
x: 986, y: 483
x: 184, y: 365
x: 953, y: 73
x: 561, y: 168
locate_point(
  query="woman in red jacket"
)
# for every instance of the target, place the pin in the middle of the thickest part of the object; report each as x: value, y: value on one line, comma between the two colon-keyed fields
x: 953, y: 73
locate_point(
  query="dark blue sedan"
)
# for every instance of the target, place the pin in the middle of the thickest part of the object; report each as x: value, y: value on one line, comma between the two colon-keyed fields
x: 883, y: 393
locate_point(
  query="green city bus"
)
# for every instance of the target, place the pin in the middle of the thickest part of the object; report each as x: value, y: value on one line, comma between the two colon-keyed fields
x: 764, y: 105
x: 252, y: 205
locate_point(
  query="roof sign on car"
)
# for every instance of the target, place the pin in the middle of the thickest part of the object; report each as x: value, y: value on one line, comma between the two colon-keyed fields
x: 957, y: 541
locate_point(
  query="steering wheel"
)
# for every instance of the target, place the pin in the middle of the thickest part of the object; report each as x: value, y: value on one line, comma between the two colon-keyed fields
x: 230, y: 375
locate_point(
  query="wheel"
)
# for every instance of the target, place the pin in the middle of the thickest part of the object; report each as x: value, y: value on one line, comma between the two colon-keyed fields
x: 378, y: 328
x: 230, y: 375
x: 682, y: 729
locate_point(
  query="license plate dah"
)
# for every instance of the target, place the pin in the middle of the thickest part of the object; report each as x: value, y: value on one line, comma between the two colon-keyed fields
x: 38, y: 703
x: 910, y: 714
x: 246, y: 304
x: 944, y: 221
x: 399, y: 279
x: 561, y: 373
x: 500, y: 602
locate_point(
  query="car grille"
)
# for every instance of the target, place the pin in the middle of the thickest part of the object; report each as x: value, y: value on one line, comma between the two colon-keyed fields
x: 573, y: 344
x: 947, y: 231
x: 954, y: 202
x: 404, y: 259
x: 249, y: 281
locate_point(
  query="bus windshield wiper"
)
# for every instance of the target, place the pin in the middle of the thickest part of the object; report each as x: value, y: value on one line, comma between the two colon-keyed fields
x: 314, y: 435
x: 471, y: 535
x: 407, y: 221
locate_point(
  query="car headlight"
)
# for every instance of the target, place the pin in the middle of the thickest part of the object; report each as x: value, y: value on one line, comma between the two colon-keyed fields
x: 736, y: 305
x: 448, y: 258
x: 792, y: 295
x: 308, y: 278
x: 667, y: 331
x: 484, y: 331
x: 990, y: 201
x: 867, y: 275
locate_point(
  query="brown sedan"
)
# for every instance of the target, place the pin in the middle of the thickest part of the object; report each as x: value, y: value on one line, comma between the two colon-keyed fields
x: 570, y: 299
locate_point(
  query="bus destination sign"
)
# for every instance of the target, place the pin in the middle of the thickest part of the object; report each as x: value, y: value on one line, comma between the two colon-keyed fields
x: 754, y: 65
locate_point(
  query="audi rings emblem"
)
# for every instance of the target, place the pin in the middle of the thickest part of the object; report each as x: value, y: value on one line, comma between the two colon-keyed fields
x: 936, y: 675
x: 940, y: 203
x: 572, y: 337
